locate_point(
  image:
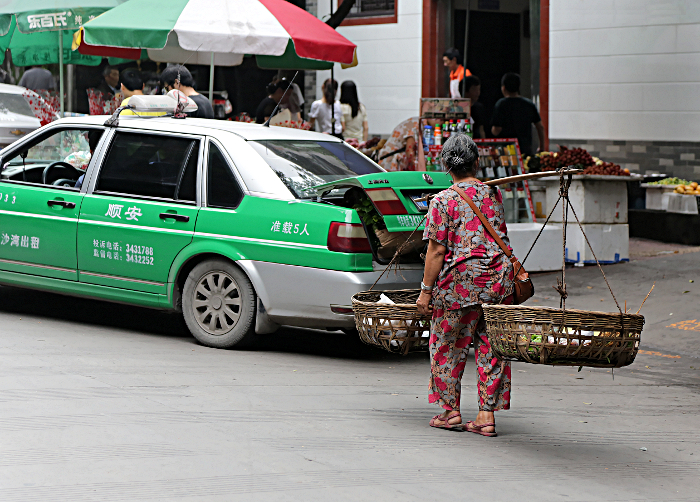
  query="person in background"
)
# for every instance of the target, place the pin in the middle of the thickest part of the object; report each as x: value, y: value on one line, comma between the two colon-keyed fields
x: 267, y: 106
x: 450, y: 59
x: 399, y: 152
x: 110, y: 81
x: 6, y: 78
x: 354, y: 113
x: 295, y: 101
x: 132, y: 85
x: 514, y: 115
x: 322, y: 114
x: 472, y: 90
x: 37, y: 78
x: 178, y: 77
x: 465, y: 268
x: 93, y: 140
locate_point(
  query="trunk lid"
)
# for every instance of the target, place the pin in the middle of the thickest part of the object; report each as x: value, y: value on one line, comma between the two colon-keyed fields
x: 407, y: 185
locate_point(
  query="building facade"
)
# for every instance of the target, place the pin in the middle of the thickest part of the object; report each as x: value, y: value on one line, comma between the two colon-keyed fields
x: 620, y: 79
x: 625, y: 82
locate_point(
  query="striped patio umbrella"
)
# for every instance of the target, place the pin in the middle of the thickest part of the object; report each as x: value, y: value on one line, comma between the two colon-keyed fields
x: 216, y: 32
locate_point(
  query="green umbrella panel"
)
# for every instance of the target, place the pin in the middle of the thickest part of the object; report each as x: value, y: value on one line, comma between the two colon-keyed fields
x: 40, y: 32
x: 42, y: 48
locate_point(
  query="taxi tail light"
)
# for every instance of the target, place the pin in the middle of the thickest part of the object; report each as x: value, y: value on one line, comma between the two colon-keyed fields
x: 348, y: 238
x: 386, y: 201
x: 337, y: 309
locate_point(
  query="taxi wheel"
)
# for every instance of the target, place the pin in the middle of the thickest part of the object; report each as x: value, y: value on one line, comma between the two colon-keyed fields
x: 218, y: 304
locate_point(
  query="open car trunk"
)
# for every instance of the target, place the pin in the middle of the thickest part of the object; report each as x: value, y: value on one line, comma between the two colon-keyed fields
x: 390, y: 207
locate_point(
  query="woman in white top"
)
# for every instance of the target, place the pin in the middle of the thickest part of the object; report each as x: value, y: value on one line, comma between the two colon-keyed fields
x: 321, y: 110
x: 354, y: 113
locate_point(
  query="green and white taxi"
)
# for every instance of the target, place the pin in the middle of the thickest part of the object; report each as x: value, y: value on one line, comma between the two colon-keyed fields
x: 222, y: 221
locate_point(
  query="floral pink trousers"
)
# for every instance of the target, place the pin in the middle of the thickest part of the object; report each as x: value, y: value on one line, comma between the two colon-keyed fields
x: 451, y: 334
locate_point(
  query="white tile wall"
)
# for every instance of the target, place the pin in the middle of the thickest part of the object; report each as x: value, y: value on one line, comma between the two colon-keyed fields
x: 388, y: 76
x: 625, y: 70
x: 599, y: 14
x: 629, y: 126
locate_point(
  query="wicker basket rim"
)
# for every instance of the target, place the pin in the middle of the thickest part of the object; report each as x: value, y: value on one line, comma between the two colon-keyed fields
x: 374, y: 304
x: 558, y: 310
x: 387, y: 305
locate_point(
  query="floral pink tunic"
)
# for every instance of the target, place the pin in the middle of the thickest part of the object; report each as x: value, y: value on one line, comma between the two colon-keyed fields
x: 475, y: 270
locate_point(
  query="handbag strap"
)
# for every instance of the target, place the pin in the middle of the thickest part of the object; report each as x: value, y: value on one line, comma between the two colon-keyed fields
x: 483, y: 219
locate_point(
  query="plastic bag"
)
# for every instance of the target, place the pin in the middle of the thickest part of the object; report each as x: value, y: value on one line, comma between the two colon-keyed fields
x: 79, y: 159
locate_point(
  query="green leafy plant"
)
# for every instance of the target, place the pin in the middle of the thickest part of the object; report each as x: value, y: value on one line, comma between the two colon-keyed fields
x: 368, y: 214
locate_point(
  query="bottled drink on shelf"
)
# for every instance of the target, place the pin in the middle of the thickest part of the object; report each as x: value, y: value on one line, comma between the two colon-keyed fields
x: 445, y: 130
x: 438, y: 136
x: 427, y: 138
x: 468, y: 130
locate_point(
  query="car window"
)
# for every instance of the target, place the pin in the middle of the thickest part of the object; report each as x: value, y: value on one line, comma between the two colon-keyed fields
x: 301, y: 165
x: 187, y: 188
x: 67, y: 146
x: 222, y: 187
x: 148, y: 165
x: 14, y: 103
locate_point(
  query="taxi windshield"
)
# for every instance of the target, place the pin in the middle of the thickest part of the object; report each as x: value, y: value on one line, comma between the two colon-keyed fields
x: 302, y: 165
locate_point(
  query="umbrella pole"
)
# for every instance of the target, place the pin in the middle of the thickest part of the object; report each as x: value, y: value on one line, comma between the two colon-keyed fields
x: 60, y: 69
x: 211, y: 80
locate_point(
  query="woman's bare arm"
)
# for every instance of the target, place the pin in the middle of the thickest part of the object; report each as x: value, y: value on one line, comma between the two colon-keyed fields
x: 434, y: 259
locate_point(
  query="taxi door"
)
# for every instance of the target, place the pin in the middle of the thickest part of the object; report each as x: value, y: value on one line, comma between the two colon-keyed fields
x: 140, y: 210
x: 39, y: 204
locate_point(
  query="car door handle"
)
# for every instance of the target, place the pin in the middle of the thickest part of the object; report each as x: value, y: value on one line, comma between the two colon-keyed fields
x: 62, y: 203
x: 175, y: 216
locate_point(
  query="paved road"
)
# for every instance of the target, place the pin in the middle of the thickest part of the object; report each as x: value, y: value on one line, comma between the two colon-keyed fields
x: 106, y: 402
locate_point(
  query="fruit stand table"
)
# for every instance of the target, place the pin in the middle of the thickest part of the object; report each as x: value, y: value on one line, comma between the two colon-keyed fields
x: 601, y: 203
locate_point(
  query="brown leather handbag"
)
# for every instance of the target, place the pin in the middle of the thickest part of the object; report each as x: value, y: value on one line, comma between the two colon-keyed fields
x: 522, y: 285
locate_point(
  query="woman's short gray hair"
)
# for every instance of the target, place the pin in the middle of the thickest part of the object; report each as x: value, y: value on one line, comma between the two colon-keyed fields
x: 459, y: 154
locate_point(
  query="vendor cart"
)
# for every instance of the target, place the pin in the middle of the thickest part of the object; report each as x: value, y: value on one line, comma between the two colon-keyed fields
x: 498, y: 157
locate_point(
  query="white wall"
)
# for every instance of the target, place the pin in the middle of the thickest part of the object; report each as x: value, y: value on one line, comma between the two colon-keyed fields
x: 625, y: 69
x: 388, y: 77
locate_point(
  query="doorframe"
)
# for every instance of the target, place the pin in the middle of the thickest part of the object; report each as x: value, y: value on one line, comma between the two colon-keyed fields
x: 433, y: 78
x: 544, y: 69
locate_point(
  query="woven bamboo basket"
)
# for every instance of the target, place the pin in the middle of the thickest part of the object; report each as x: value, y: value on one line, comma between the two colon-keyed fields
x: 544, y: 335
x: 397, y: 328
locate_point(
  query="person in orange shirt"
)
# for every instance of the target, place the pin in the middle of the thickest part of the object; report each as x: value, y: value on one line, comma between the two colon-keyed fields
x: 450, y: 59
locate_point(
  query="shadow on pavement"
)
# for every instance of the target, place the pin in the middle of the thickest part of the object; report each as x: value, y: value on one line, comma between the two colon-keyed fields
x: 24, y: 302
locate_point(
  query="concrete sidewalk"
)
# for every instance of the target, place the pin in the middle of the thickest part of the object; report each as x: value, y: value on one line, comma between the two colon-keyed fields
x: 105, y: 402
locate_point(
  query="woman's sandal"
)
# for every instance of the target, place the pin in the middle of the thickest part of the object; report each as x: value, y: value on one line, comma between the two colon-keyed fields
x: 477, y: 429
x: 446, y: 422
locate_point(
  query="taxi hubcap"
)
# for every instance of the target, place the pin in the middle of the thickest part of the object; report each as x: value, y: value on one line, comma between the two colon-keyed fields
x: 217, y: 303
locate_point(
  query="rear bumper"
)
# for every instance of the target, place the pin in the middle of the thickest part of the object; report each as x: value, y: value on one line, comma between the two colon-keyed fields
x: 303, y: 296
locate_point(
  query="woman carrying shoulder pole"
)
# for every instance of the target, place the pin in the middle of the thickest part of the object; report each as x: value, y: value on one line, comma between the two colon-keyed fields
x: 465, y: 268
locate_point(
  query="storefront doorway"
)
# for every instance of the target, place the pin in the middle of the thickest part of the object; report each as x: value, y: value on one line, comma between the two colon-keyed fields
x: 501, y: 35
x: 493, y: 49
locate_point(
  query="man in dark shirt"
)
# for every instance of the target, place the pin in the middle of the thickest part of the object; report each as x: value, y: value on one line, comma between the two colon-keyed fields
x: 178, y: 77
x: 267, y: 106
x: 514, y: 115
x: 472, y: 90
